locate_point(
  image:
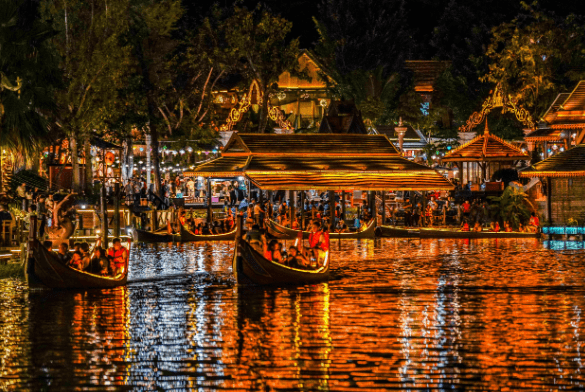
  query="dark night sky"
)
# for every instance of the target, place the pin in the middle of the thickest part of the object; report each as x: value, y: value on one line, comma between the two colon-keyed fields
x: 423, y: 14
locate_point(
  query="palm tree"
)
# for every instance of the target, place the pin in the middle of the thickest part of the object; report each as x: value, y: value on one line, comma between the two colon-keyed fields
x: 29, y: 74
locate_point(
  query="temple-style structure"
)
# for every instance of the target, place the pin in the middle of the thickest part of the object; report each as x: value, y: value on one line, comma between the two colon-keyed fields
x: 484, y: 150
x: 563, y: 124
x: 406, y: 138
x: 564, y: 174
x: 343, y: 117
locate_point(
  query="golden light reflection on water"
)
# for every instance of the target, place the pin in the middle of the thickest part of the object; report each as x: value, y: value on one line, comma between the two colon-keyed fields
x: 397, y: 314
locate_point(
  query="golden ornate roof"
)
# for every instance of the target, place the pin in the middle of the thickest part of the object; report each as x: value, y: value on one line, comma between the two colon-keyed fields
x: 485, y: 148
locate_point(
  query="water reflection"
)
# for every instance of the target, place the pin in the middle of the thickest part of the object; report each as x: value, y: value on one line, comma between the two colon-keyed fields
x: 397, y: 314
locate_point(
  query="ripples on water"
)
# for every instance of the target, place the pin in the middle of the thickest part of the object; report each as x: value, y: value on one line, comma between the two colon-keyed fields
x: 397, y: 314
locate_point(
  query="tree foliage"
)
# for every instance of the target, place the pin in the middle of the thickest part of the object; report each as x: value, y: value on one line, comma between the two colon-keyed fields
x: 260, y: 41
x: 28, y: 77
x: 535, y: 56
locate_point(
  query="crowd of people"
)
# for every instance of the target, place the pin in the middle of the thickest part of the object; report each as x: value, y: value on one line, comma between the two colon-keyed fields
x: 296, y: 256
x: 97, y: 261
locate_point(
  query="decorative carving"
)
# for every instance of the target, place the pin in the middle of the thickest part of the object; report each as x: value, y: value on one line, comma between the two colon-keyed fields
x: 496, y: 100
x: 254, y: 96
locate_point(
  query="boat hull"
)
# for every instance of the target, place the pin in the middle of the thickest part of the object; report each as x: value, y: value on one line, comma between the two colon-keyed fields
x: 438, y: 233
x: 187, y: 236
x: 146, y: 236
x: 396, y: 232
x: 250, y: 267
x: 284, y: 233
x: 45, y: 270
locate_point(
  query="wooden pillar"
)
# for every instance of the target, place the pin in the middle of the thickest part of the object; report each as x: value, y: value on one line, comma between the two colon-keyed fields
x: 117, y: 210
x: 343, y: 204
x: 332, y: 210
x: 104, y: 211
x: 549, y: 201
x: 460, y: 165
x: 293, y: 202
x: 302, y: 210
x: 209, y: 205
x: 383, y: 208
x: 423, y: 213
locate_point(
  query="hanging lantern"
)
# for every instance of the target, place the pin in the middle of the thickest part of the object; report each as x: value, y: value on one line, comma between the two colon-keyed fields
x: 189, y: 149
x: 181, y: 151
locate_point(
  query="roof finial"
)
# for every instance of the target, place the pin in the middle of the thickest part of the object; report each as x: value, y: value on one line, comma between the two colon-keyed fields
x: 486, y: 130
x: 399, y: 121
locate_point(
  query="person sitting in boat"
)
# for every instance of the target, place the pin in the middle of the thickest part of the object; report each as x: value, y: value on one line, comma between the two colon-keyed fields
x: 99, y: 264
x: 119, y: 256
x: 534, y: 223
x: 295, y: 224
x: 272, y: 251
x: 521, y: 228
x: 63, y: 253
x: 48, y: 245
x: 507, y: 227
x: 429, y: 215
x: 76, y: 261
x: 85, y: 255
x: 296, y: 259
x: 183, y: 218
x: 465, y: 225
x: 477, y: 227
x: 254, y: 237
x: 319, y: 241
x: 363, y: 224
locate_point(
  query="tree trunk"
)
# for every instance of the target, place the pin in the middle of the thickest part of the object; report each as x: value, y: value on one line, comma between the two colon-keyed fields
x: 263, y: 123
x: 74, y: 163
x: 88, y: 165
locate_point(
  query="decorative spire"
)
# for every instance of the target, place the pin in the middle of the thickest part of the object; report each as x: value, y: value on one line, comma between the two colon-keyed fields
x: 486, y: 130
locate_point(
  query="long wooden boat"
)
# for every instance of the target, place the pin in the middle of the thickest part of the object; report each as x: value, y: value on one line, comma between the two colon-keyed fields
x: 44, y: 269
x: 281, y: 232
x: 450, y: 233
x: 396, y: 232
x: 250, y: 267
x: 188, y: 236
x: 146, y: 236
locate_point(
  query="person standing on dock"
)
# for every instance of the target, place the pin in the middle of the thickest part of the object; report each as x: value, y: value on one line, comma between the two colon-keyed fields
x: 407, y: 212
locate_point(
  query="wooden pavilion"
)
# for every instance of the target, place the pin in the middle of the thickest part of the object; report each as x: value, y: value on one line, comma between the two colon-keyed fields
x: 484, y: 150
x: 564, y: 174
x: 321, y: 162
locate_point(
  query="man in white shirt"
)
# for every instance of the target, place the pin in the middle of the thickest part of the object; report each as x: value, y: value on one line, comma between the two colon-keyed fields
x: 191, y: 188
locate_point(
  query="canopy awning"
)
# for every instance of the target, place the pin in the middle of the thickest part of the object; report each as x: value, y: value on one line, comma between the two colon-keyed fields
x: 311, y: 162
x: 570, y: 163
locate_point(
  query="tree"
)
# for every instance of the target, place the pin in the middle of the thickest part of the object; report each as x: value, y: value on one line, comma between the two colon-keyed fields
x: 260, y: 41
x: 512, y: 206
x: 536, y: 56
x: 149, y: 38
x: 28, y: 77
x: 91, y: 61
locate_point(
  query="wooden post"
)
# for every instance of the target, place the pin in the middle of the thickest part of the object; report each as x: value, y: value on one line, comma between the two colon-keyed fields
x: 424, y: 208
x: 293, y: 202
x: 117, y: 209
x: 383, y: 208
x: 302, y: 210
x: 549, y: 201
x: 343, y: 204
x: 104, y: 211
x: 332, y: 210
x: 209, y: 205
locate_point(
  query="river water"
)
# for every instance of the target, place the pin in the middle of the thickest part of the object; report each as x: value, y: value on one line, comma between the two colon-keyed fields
x: 396, y: 314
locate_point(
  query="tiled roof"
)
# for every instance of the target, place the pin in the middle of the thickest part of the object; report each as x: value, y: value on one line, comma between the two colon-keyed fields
x: 426, y: 72
x: 570, y: 163
x: 389, y: 130
x: 309, y: 144
x: 544, y: 135
x: 485, y: 148
x: 570, y: 112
